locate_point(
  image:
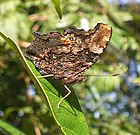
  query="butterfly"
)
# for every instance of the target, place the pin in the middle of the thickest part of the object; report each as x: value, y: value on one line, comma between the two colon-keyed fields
x: 66, y: 57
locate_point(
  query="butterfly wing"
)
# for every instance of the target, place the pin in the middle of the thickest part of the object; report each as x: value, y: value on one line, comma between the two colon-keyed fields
x: 68, y: 56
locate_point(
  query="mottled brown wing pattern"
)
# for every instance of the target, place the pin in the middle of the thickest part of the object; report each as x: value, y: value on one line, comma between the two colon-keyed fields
x: 67, y: 56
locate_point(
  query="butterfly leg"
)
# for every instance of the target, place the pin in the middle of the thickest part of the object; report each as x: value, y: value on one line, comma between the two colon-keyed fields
x: 45, y: 76
x: 69, y: 91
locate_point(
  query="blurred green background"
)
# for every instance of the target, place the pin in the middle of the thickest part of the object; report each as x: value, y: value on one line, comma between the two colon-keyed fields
x: 111, y: 104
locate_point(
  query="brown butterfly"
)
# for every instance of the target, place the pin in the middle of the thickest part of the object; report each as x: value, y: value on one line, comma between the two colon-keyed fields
x: 66, y: 57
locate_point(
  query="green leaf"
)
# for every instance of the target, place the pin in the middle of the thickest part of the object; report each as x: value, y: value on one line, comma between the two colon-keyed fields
x: 57, y: 7
x: 6, y: 128
x: 69, y: 116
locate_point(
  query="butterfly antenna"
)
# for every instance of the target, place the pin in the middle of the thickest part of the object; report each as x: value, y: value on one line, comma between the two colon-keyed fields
x: 69, y: 91
x: 117, y: 74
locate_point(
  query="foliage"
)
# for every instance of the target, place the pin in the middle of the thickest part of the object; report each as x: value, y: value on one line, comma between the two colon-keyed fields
x: 111, y: 104
x: 8, y: 129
